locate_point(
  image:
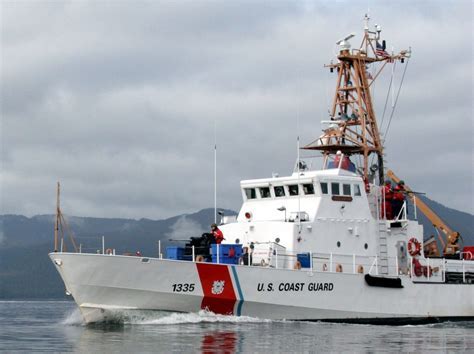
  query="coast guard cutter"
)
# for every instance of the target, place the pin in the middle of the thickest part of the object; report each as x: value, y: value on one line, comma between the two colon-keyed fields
x: 314, y: 245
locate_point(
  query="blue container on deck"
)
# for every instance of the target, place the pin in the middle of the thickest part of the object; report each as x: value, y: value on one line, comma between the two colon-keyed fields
x: 228, y: 253
x: 304, y: 260
x: 174, y: 252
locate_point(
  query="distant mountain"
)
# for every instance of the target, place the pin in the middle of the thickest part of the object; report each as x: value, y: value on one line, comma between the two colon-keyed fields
x: 26, y: 271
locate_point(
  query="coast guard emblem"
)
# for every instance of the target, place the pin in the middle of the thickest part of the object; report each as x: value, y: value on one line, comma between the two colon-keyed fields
x: 218, y: 287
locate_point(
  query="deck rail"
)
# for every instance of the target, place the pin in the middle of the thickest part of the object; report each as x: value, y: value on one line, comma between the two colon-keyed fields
x: 420, y: 269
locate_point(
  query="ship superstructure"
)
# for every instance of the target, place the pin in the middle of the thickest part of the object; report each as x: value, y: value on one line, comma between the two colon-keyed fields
x: 324, y: 237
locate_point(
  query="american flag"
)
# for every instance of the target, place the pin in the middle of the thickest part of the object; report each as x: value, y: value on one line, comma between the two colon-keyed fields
x: 380, y: 52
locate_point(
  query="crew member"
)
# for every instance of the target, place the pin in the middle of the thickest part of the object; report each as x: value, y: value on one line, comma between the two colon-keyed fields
x: 246, y: 256
x: 387, y: 196
x: 398, y: 198
x: 218, y: 235
x: 346, y: 163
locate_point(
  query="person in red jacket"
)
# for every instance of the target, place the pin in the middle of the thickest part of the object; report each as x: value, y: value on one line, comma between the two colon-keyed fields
x: 387, y: 195
x: 398, y: 198
x: 218, y: 235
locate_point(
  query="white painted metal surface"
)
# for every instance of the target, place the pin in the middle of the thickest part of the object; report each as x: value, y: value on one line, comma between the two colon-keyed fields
x: 102, y: 285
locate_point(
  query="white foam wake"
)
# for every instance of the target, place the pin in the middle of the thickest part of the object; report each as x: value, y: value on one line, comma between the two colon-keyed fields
x: 73, y: 318
x: 140, y: 317
x: 200, y: 317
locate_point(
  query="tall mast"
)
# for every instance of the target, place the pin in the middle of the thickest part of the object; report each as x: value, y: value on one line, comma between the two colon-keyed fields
x: 57, y: 221
x: 353, y: 127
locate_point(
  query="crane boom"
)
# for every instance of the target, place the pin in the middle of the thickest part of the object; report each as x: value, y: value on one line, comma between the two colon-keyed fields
x: 452, y: 237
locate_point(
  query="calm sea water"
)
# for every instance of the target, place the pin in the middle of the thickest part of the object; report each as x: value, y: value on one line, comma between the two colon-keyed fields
x: 36, y: 326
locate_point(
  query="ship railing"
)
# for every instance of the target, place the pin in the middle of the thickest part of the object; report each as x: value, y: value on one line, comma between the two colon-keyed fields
x: 424, y: 270
x: 86, y: 246
x: 443, y: 270
x: 98, y: 245
x: 460, y: 270
x: 331, y: 262
x: 356, y: 264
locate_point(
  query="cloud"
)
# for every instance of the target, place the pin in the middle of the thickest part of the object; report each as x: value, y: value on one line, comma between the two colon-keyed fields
x: 118, y: 100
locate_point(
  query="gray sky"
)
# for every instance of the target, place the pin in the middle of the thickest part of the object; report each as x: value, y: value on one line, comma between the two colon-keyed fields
x: 118, y: 99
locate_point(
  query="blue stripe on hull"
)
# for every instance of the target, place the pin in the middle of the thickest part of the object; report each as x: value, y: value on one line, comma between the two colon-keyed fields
x: 239, y: 290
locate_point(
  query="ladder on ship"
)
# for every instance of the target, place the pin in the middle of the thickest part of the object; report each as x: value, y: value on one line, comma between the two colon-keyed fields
x: 383, y: 248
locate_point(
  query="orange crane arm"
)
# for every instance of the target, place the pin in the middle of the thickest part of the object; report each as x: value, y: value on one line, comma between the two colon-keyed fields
x: 452, y: 236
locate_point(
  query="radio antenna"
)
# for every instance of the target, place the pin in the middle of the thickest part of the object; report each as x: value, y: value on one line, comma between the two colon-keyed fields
x: 298, y: 163
x: 215, y: 172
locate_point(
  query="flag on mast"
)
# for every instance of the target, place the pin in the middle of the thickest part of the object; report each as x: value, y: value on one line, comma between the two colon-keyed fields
x: 380, y: 51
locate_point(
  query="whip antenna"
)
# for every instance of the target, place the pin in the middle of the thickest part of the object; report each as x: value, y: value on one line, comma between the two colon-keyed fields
x: 215, y: 172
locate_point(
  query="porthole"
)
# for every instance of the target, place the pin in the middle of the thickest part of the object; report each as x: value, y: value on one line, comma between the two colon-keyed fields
x: 366, y: 246
x: 338, y: 243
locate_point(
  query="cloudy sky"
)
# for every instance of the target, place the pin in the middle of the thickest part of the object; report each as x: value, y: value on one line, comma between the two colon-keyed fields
x: 118, y: 99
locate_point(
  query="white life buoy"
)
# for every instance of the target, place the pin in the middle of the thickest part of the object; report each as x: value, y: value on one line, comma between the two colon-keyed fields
x: 414, y: 247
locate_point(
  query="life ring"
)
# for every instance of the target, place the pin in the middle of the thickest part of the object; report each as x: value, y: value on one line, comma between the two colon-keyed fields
x: 297, y: 265
x: 414, y: 247
x: 199, y: 258
x: 360, y: 269
x: 339, y: 268
x: 325, y: 267
x: 109, y: 251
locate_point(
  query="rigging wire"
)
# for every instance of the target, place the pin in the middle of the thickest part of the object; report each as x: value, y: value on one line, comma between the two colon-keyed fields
x: 385, y: 107
x: 388, y: 95
x: 396, y: 99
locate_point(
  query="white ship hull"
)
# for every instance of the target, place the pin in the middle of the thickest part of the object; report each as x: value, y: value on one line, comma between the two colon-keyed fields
x: 102, y: 285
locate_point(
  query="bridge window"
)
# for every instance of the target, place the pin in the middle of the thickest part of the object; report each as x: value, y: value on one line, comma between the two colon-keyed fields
x: 308, y: 188
x: 279, y: 191
x: 335, y: 189
x: 293, y: 189
x: 250, y: 193
x: 346, y: 189
x: 324, y: 188
x: 265, y: 192
x: 357, y: 190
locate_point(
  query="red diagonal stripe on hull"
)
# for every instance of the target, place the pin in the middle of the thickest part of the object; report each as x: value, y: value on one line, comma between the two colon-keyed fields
x: 210, y: 276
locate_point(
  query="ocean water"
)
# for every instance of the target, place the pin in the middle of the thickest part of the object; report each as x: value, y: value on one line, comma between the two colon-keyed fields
x: 56, y: 326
